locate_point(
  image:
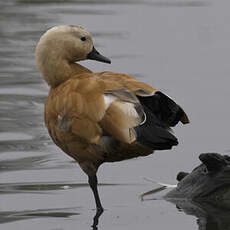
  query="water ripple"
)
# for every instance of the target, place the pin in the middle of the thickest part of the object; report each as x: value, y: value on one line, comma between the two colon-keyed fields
x: 30, y: 214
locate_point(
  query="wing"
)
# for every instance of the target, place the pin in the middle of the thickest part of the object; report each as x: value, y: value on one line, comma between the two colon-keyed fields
x: 159, y: 103
x: 116, y: 105
x: 129, y: 119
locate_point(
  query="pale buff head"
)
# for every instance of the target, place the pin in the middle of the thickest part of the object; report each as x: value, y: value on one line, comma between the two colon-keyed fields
x: 61, y: 46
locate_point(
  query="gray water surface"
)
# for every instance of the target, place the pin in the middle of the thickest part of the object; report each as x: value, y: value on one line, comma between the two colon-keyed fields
x: 180, y: 46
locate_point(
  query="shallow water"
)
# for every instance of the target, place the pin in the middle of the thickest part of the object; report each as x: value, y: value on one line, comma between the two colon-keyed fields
x: 181, y: 47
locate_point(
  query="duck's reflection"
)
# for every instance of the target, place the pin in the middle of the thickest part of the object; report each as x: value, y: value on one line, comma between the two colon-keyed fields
x: 96, y: 218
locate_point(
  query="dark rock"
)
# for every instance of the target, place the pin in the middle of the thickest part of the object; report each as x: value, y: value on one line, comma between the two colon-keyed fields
x: 208, y: 181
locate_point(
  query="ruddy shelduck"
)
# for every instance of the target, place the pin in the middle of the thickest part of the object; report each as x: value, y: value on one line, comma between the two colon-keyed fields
x: 100, y: 117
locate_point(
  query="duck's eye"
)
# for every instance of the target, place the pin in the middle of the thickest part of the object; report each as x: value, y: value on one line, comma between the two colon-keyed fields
x: 83, y: 39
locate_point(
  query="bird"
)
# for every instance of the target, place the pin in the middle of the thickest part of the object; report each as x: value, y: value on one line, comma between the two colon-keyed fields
x: 98, y: 117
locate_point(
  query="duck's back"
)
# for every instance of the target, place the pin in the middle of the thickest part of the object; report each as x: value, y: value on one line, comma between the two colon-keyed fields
x: 110, y: 117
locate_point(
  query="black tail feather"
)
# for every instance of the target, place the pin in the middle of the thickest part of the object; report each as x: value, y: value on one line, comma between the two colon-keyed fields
x: 153, y: 134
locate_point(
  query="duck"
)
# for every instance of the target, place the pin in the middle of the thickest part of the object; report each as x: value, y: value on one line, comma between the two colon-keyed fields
x: 99, y: 117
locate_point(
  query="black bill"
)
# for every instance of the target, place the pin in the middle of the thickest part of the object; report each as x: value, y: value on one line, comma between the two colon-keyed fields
x: 95, y: 55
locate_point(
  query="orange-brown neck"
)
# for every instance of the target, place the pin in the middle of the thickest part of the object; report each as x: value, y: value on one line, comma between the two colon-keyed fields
x: 55, y: 67
x: 55, y: 72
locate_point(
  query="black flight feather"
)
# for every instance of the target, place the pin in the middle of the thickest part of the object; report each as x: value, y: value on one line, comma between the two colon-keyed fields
x: 153, y: 134
x: 164, y: 108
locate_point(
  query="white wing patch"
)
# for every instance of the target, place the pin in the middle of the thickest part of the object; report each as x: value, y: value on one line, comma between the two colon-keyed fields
x: 131, y: 113
x: 108, y: 99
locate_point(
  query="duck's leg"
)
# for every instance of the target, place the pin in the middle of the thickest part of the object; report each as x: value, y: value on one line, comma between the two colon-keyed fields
x: 93, y: 185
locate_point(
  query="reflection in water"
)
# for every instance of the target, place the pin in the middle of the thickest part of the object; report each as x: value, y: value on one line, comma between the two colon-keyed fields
x: 26, y: 163
x: 44, y: 187
x: 210, y: 217
x: 82, y: 11
x: 180, y: 3
x: 164, y: 3
x: 31, y: 214
x: 96, y: 219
